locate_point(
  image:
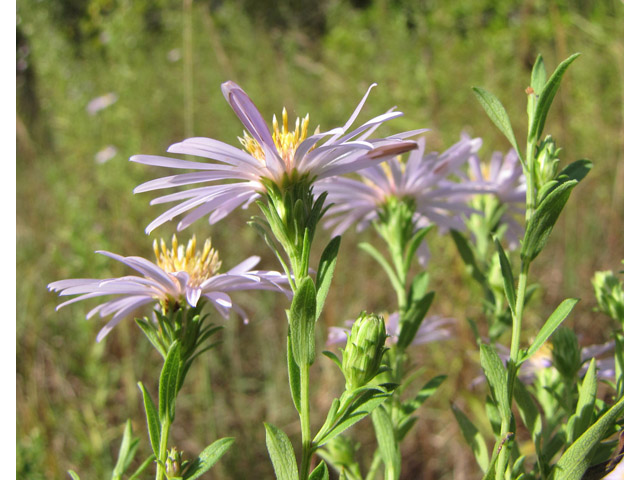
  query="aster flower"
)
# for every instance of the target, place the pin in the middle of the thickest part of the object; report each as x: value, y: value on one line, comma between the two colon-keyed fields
x: 422, y: 181
x: 505, y: 176
x: 432, y: 329
x: 179, y: 275
x: 268, y: 158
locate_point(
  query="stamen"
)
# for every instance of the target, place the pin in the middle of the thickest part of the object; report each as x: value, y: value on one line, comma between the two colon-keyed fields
x: 199, y: 265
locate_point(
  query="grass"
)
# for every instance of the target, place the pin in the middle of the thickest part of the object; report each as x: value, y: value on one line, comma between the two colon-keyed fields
x: 73, y: 395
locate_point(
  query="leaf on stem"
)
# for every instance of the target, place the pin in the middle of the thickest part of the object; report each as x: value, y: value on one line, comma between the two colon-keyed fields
x: 497, y: 377
x: 208, y: 458
x: 473, y: 438
x: 294, y: 373
x: 327, y: 265
x: 302, y: 319
x: 550, y: 326
x: 281, y: 453
x: 127, y: 451
x: 413, y: 318
x: 497, y: 114
x: 387, y: 442
x: 507, y: 277
x: 153, y: 419
x: 168, y: 388
x: 546, y: 98
x: 321, y: 472
x: 581, y: 419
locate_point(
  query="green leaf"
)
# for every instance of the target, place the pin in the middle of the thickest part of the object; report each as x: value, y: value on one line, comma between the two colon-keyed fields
x: 576, y: 459
x: 73, y: 475
x: 302, y: 318
x: 387, y: 443
x: 294, y: 373
x: 325, y: 273
x: 543, y: 220
x: 497, y: 114
x: 153, y: 419
x: 419, y: 286
x: 497, y: 377
x: 546, y: 98
x: 334, y: 357
x: 281, y: 453
x: 469, y: 259
x: 507, y: 277
x: 142, y: 467
x: 425, y: 392
x: 208, y: 458
x: 529, y: 412
x: 473, y: 438
x: 581, y: 419
x: 550, y: 326
x: 127, y: 451
x: 576, y: 170
x: 169, y: 377
x: 413, y: 245
x: 393, y: 278
x: 538, y: 75
x: 321, y: 472
x: 410, y: 322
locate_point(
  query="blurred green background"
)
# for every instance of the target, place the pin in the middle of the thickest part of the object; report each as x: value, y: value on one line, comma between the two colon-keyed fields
x: 160, y: 63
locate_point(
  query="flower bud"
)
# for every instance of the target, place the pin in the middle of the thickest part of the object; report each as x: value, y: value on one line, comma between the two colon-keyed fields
x: 363, y: 353
x: 546, y: 163
x: 610, y: 294
x: 174, y: 465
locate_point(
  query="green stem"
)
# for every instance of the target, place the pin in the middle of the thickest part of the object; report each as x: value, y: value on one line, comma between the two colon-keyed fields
x: 375, y: 464
x: 307, y: 447
x: 164, y: 440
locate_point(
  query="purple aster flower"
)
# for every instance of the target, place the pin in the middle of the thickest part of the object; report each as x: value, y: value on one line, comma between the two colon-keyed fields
x: 422, y: 180
x: 179, y: 275
x: 505, y: 176
x: 432, y: 329
x: 267, y: 157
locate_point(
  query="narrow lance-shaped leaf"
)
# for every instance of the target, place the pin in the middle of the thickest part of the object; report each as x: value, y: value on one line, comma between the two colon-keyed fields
x: 575, y: 460
x: 497, y: 114
x: 326, y: 268
x: 281, y: 453
x: 581, y: 419
x: 153, y: 420
x: 321, y: 472
x: 127, y: 450
x: 546, y: 98
x: 168, y: 387
x: 473, y: 438
x: 302, y: 318
x: 507, y: 277
x: 497, y: 377
x: 208, y: 458
x: 538, y: 75
x: 73, y: 475
x: 387, y: 443
x: 294, y: 373
x: 550, y: 326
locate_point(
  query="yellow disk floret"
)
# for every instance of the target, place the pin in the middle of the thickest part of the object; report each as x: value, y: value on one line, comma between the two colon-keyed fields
x: 200, y: 265
x: 286, y: 141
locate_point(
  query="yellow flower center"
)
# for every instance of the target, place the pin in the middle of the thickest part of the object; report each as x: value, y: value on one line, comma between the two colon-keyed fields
x: 286, y: 141
x: 200, y: 265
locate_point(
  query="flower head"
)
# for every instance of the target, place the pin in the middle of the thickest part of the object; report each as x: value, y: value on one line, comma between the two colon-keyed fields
x: 180, y: 275
x: 267, y: 157
x: 432, y: 329
x: 362, y: 356
x: 422, y: 180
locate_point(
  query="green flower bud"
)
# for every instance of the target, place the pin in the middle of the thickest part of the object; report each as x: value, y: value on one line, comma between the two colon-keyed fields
x: 363, y: 353
x: 610, y: 294
x: 175, y: 466
x: 546, y: 163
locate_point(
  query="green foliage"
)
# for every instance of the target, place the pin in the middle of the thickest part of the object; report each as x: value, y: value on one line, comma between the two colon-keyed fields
x: 281, y: 453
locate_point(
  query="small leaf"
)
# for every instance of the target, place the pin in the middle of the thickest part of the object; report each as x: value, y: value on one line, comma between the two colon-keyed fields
x: 497, y: 377
x: 577, y: 170
x: 546, y: 98
x: 583, y: 415
x: 497, y: 114
x: 334, y: 357
x: 153, y: 419
x: 543, y: 220
x: 507, y: 277
x: 73, y: 475
x: 414, y: 244
x: 294, y: 374
x: 469, y: 259
x: 325, y: 272
x: 168, y: 388
x: 576, y: 459
x: 393, y: 278
x: 529, y: 412
x: 208, y: 458
x: 410, y: 323
x: 550, y: 326
x: 538, y: 75
x: 127, y: 450
x: 473, y: 438
x: 142, y: 467
x: 425, y: 392
x: 387, y: 443
x: 281, y: 453
x: 321, y: 472
x: 302, y: 318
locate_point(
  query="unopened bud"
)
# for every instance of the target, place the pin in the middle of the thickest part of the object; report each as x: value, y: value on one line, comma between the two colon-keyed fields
x: 365, y: 348
x: 546, y: 164
x: 174, y: 465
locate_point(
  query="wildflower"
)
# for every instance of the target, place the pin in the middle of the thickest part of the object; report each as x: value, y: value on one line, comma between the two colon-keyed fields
x: 180, y: 275
x: 278, y: 158
x: 421, y: 181
x: 432, y: 329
